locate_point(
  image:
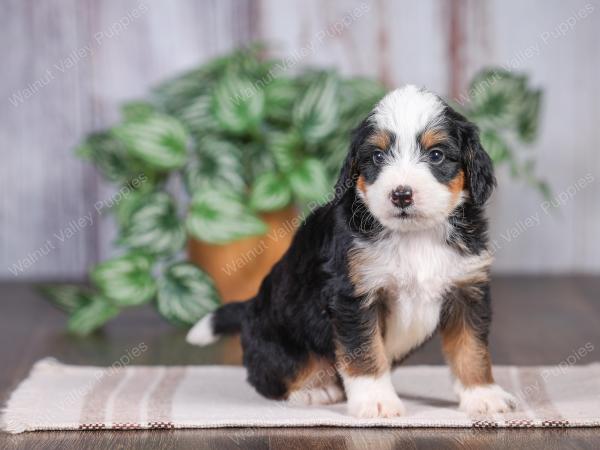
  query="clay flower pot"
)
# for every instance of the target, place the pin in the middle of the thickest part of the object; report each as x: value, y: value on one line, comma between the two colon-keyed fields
x: 239, y: 267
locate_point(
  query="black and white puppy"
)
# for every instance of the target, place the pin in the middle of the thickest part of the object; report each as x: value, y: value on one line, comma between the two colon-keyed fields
x: 400, y: 252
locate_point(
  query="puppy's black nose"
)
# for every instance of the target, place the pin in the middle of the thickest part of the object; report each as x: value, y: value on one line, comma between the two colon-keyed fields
x: 402, y: 196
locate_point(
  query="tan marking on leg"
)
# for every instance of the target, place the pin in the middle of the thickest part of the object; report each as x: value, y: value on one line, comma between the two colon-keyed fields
x: 432, y: 137
x: 467, y: 356
x: 316, y: 372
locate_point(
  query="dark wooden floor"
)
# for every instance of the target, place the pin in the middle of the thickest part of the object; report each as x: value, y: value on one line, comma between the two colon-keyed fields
x: 537, y: 321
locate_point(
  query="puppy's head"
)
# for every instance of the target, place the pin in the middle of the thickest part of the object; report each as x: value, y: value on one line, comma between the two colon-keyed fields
x: 414, y: 159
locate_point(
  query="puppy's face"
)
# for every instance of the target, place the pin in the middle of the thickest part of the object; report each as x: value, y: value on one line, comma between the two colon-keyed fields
x: 415, y: 160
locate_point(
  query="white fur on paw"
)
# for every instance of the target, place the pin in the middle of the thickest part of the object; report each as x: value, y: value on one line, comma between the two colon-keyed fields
x: 388, y: 406
x: 490, y: 399
x: 458, y: 388
x: 325, y: 395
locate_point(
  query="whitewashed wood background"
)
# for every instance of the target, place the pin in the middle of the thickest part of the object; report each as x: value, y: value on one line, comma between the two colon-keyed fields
x: 436, y: 43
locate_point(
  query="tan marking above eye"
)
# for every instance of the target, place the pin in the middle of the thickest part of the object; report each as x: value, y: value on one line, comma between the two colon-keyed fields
x: 381, y: 139
x: 432, y: 137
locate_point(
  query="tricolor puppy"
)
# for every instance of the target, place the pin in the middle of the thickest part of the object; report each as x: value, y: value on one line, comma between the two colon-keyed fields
x: 400, y: 253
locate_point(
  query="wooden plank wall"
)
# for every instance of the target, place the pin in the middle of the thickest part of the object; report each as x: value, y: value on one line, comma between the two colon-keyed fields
x: 81, y: 58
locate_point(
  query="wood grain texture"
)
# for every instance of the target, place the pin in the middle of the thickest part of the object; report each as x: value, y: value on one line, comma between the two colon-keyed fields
x: 117, y: 50
x: 558, y: 44
x: 539, y: 321
x: 436, y: 43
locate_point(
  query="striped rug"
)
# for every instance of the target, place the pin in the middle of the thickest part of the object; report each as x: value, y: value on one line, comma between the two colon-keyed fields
x: 63, y: 397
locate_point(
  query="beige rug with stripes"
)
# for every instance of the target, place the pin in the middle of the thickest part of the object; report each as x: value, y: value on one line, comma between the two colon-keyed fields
x: 63, y: 397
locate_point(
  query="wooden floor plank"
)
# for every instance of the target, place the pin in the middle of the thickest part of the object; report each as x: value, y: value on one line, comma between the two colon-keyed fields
x: 538, y: 320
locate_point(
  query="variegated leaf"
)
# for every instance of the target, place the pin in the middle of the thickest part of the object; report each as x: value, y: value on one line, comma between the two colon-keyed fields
x: 186, y: 294
x: 285, y: 148
x: 127, y: 280
x: 92, y: 316
x: 198, y: 116
x: 270, y: 192
x: 137, y: 110
x: 110, y: 156
x: 310, y: 182
x: 154, y: 226
x: 218, y: 163
x: 494, y: 145
x: 67, y: 297
x: 316, y: 115
x: 160, y: 141
x: 219, y: 216
x: 238, y: 104
x: 280, y: 96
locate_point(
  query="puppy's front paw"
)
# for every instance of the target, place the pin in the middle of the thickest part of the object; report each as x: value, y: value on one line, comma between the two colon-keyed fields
x: 490, y: 399
x: 385, y: 406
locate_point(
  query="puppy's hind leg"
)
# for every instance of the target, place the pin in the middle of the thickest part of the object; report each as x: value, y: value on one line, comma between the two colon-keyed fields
x: 316, y: 384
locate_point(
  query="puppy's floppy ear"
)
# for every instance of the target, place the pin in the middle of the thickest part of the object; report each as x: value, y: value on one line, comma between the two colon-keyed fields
x: 349, y: 171
x: 477, y: 164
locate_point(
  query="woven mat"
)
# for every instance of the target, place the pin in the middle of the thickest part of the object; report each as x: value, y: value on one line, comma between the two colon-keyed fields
x: 63, y: 397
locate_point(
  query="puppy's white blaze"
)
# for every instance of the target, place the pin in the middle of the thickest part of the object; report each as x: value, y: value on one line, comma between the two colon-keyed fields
x: 372, y: 397
x: 487, y: 399
x: 202, y: 333
x: 406, y: 112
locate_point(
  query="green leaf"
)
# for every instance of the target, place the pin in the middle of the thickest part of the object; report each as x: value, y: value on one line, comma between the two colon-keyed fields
x: 310, y: 182
x: 137, y: 110
x: 154, y: 226
x: 220, y: 216
x: 257, y: 160
x: 494, y: 145
x: 280, y: 96
x: 178, y: 93
x: 160, y: 141
x: 358, y: 96
x: 270, y: 192
x: 127, y: 280
x: 334, y: 152
x: 316, y: 115
x: 67, y: 297
x: 238, y: 104
x: 497, y: 96
x: 198, y: 116
x: 528, y: 118
x: 128, y: 203
x: 110, y: 156
x: 186, y: 294
x: 218, y: 163
x: 284, y: 147
x: 92, y: 316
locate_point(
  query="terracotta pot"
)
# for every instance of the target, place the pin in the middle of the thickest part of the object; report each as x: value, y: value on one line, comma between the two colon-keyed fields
x: 239, y: 267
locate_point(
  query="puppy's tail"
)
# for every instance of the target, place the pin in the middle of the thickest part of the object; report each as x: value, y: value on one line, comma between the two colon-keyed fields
x: 225, y: 320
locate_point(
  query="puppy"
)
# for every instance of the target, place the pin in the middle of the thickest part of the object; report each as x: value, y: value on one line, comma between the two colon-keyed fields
x: 399, y: 252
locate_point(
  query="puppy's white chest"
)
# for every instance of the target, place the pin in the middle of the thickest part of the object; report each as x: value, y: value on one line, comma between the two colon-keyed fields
x: 414, y: 271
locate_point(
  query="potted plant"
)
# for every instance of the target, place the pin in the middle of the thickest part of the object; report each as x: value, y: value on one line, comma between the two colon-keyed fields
x: 216, y: 169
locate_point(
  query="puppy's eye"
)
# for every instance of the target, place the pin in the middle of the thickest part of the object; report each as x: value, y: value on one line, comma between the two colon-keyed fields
x: 436, y: 156
x: 378, y: 157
